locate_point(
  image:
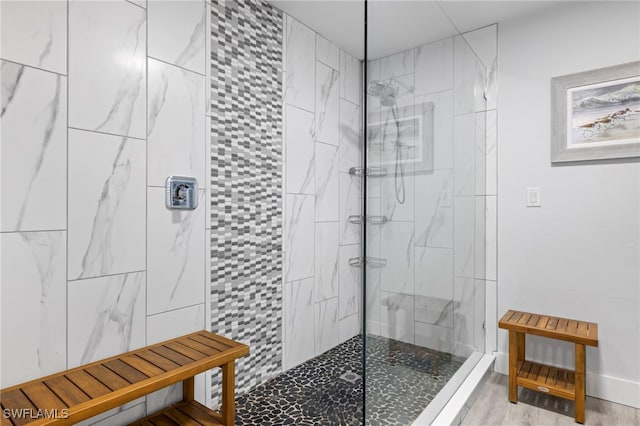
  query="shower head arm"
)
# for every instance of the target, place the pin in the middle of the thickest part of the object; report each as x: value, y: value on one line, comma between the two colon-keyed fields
x: 393, y: 78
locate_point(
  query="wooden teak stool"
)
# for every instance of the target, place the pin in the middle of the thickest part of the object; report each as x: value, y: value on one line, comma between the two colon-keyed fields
x: 543, y: 378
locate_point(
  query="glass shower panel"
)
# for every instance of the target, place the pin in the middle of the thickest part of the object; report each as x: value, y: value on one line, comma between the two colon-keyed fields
x: 425, y: 212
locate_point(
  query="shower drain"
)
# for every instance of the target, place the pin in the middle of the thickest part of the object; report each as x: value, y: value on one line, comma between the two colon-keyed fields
x: 350, y: 377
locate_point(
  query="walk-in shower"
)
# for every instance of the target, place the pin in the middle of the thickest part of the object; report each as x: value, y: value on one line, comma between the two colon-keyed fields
x: 383, y: 213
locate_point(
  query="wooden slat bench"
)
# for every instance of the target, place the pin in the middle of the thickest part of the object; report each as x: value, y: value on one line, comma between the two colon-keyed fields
x: 77, y: 394
x: 543, y: 378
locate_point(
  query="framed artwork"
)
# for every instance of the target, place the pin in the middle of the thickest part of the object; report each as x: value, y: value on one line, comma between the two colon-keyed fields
x: 595, y: 115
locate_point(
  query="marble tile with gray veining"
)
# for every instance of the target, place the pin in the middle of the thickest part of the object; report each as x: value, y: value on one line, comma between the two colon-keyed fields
x: 434, y: 209
x: 479, y: 315
x: 176, y: 259
x: 480, y: 164
x: 480, y: 237
x: 326, y: 325
x: 484, y: 43
x: 491, y: 247
x: 327, y: 112
x: 436, y: 311
x: 33, y: 286
x: 434, y: 67
x: 397, y: 65
x: 350, y: 205
x: 397, y: 195
x: 141, y: 3
x: 34, y: 148
x: 491, y: 151
x: 106, y: 317
x: 298, y: 322
x: 398, y: 250
x: 469, y: 79
x: 34, y: 33
x: 327, y: 52
x: 349, y: 327
x: 326, y: 260
x: 464, y: 154
x: 434, y: 272
x: 106, y: 204
x: 300, y: 155
x: 177, y: 33
x: 107, y: 95
x: 463, y: 316
x: 441, y: 107
x: 397, y: 317
x: 299, y: 228
x: 350, y: 136
x: 300, y: 46
x: 327, y: 183
x: 374, y: 301
x: 350, y: 87
x: 463, y: 237
x: 176, y: 124
x: 434, y: 337
x: 350, y: 281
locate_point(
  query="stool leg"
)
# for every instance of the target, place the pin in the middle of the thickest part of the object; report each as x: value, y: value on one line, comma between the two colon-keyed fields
x: 513, y: 366
x: 228, y: 393
x: 188, y: 393
x: 521, y: 346
x: 580, y: 382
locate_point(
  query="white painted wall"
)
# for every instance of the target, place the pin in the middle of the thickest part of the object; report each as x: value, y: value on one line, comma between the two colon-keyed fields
x: 576, y: 256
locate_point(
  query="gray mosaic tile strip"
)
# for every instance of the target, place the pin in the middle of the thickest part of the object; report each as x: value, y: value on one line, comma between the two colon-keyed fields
x: 246, y: 185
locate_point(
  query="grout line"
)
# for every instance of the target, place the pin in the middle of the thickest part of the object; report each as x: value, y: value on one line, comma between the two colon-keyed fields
x: 117, y: 274
x: 106, y: 133
x: 66, y: 276
x: 21, y: 231
x: 36, y: 68
x: 173, y: 310
x: 173, y: 65
x: 146, y: 192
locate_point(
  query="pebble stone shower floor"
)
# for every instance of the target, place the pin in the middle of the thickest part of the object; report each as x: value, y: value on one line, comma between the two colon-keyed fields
x: 401, y: 380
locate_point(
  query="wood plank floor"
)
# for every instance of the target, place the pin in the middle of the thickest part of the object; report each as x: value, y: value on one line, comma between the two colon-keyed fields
x: 492, y: 407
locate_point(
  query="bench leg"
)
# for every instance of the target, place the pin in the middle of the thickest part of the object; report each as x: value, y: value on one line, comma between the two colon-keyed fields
x: 188, y: 393
x: 513, y: 365
x: 228, y: 393
x: 580, y: 383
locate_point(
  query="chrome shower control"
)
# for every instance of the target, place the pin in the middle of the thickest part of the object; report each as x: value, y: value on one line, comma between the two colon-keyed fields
x: 181, y: 193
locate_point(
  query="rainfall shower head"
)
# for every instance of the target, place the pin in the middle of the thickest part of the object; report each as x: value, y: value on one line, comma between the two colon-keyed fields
x: 384, y: 91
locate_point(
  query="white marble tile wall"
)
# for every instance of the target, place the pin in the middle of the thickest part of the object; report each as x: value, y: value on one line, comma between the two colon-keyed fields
x: 106, y: 204
x: 34, y: 33
x: 33, y: 285
x: 102, y: 266
x: 321, y: 142
x: 176, y: 123
x: 107, y: 62
x: 34, y: 145
x: 443, y: 235
x: 106, y: 316
x: 175, y: 254
x: 177, y: 33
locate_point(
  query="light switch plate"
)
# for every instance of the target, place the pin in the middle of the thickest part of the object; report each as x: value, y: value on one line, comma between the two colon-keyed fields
x: 533, y: 197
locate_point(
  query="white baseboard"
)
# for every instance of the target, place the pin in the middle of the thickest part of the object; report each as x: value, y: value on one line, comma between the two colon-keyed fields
x: 599, y: 386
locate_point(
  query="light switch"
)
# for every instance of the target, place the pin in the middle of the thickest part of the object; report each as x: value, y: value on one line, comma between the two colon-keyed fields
x: 533, y: 197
